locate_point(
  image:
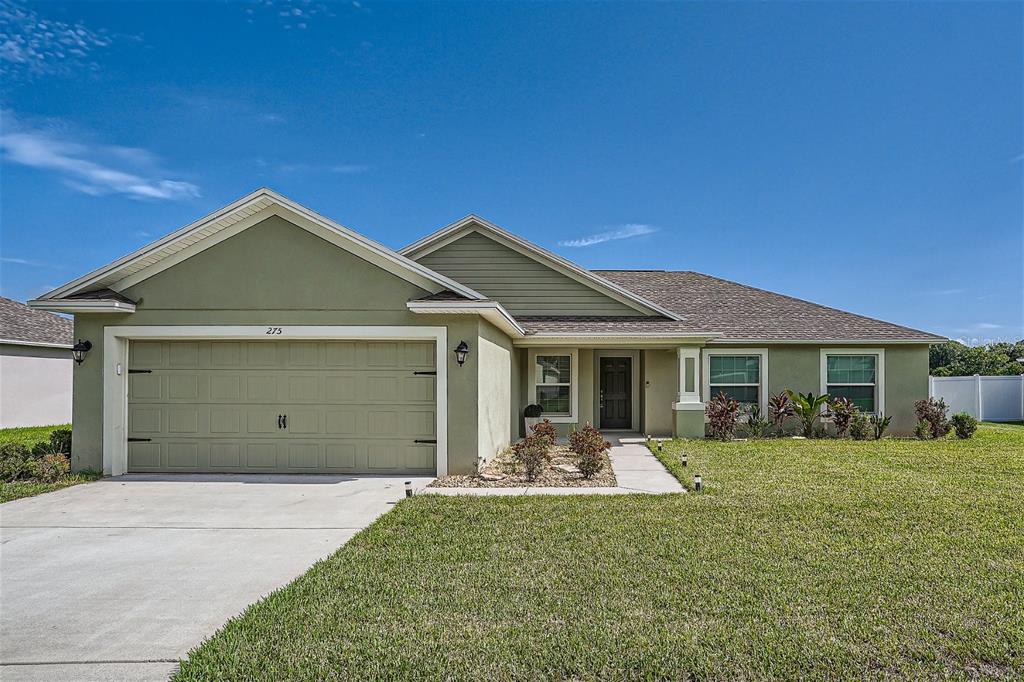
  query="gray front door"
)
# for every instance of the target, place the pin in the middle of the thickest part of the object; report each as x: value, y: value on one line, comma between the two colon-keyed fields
x: 282, y: 407
x: 616, y: 392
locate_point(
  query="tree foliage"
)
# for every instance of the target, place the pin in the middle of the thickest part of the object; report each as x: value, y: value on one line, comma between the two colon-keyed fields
x: 954, y: 359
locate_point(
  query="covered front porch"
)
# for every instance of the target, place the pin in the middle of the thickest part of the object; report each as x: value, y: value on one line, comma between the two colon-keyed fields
x: 652, y: 389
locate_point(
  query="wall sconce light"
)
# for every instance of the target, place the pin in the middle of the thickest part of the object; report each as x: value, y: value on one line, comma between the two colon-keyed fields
x: 79, y: 350
x: 461, y: 351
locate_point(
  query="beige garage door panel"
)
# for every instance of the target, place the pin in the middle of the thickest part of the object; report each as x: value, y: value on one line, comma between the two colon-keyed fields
x: 345, y: 406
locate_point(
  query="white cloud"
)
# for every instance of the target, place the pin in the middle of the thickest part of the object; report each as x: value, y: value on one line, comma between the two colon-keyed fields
x: 31, y: 45
x: 344, y: 168
x: 91, y: 169
x: 627, y: 231
x: 28, y: 263
x: 945, y: 292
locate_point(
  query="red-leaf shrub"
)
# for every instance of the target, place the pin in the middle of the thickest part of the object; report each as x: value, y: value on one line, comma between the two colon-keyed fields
x: 723, y: 413
x: 590, y: 446
x: 533, y: 453
x: 546, y: 431
x: 934, y: 412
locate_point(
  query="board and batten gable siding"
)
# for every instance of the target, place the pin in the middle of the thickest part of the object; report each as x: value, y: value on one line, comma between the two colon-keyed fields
x: 522, y: 285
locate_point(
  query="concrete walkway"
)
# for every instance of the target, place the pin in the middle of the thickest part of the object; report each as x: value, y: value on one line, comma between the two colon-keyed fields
x: 118, y: 579
x: 636, y: 471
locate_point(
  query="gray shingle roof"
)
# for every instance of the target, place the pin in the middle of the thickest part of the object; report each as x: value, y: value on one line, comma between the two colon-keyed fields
x: 584, y: 324
x: 743, y: 312
x: 18, y: 322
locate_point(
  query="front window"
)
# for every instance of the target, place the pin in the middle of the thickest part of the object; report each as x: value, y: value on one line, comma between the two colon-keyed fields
x: 553, y: 384
x: 738, y: 376
x: 854, y: 377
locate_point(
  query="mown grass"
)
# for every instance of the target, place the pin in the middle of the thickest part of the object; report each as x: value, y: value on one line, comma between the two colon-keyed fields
x: 802, y: 559
x: 29, y: 436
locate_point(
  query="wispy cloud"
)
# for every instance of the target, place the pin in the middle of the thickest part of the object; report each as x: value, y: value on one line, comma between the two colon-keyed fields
x: 343, y: 168
x: 1017, y: 159
x: 31, y: 45
x: 978, y: 327
x: 627, y: 231
x: 292, y: 14
x: 945, y: 292
x: 90, y: 169
x: 26, y: 262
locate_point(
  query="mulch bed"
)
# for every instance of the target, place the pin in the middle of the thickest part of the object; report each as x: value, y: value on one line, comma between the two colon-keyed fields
x: 504, y: 464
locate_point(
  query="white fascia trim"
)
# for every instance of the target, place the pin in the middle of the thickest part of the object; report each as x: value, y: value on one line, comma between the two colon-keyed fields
x: 115, y: 376
x: 81, y: 306
x: 39, y: 344
x: 492, y: 311
x: 879, y: 372
x: 762, y: 388
x: 574, y: 382
x: 470, y: 223
x: 832, y: 342
x: 330, y: 230
x: 620, y: 339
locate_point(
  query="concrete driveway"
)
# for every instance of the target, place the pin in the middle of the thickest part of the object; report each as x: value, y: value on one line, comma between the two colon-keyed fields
x: 118, y: 579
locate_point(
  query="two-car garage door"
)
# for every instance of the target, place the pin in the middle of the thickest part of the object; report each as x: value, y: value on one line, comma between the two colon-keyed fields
x: 282, y: 407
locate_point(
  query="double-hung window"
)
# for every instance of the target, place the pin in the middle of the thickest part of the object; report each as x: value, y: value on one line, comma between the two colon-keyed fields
x: 740, y: 374
x: 856, y: 376
x: 553, y: 383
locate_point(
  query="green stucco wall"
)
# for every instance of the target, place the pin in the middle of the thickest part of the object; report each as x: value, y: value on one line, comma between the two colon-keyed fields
x: 275, y: 273
x: 660, y: 389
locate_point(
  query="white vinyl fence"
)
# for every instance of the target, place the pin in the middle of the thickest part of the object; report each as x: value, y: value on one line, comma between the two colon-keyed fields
x: 994, y: 399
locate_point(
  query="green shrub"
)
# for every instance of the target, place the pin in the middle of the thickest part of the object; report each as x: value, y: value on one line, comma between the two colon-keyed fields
x: 590, y: 446
x: 15, y: 460
x: 934, y: 413
x: 533, y: 453
x: 922, y: 431
x: 723, y: 413
x: 860, y: 428
x: 60, y: 441
x: 808, y: 407
x: 757, y: 425
x: 879, y: 424
x: 964, y: 424
x: 50, y: 468
x: 546, y: 431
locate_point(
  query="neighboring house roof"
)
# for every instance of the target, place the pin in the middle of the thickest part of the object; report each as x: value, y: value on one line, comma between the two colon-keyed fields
x: 21, y: 325
x: 744, y: 313
x: 230, y: 220
x: 473, y: 223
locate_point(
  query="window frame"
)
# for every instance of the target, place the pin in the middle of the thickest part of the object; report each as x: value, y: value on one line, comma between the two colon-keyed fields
x: 879, y: 384
x: 762, y: 385
x: 574, y: 382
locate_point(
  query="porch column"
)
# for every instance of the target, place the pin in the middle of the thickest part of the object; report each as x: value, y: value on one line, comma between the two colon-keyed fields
x: 688, y: 409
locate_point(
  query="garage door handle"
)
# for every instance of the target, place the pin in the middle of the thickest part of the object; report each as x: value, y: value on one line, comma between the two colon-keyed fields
x: 279, y: 418
x: 284, y: 421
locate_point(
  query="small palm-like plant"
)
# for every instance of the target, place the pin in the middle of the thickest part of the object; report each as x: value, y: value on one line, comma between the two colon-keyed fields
x: 842, y: 411
x: 808, y: 407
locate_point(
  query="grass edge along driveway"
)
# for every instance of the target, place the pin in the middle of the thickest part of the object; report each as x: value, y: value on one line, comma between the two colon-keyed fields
x: 814, y: 559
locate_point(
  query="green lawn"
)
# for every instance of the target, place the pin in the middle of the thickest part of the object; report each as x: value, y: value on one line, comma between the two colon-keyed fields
x: 29, y: 436
x: 803, y: 559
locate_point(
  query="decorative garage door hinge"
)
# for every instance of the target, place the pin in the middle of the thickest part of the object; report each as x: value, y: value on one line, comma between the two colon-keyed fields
x: 423, y: 440
x: 433, y: 374
x: 140, y: 371
x: 140, y: 440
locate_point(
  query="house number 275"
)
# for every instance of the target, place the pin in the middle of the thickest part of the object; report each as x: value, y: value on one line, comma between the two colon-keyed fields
x: 273, y: 331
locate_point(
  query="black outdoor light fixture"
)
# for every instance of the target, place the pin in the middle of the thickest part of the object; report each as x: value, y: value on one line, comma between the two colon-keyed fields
x: 461, y: 351
x: 79, y: 350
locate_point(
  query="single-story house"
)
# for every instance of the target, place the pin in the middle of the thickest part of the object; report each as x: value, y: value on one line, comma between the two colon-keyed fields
x: 35, y: 366
x: 268, y: 338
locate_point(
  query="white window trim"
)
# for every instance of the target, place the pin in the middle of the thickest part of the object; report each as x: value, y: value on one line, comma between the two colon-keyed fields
x: 762, y: 387
x: 879, y: 372
x: 574, y: 382
x: 115, y: 371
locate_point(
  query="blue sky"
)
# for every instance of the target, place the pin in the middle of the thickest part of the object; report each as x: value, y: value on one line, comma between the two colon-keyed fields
x: 867, y: 156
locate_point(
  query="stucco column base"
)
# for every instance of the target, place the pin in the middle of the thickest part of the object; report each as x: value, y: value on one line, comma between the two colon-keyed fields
x: 688, y: 420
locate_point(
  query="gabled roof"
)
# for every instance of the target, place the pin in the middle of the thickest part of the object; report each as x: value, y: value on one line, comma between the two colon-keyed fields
x: 745, y: 314
x: 23, y: 326
x: 230, y: 220
x: 474, y: 223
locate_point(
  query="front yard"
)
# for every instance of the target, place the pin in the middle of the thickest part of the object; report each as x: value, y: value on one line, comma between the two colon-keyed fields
x: 813, y: 559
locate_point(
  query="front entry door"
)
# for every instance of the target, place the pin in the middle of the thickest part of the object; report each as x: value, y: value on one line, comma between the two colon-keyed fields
x: 616, y: 393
